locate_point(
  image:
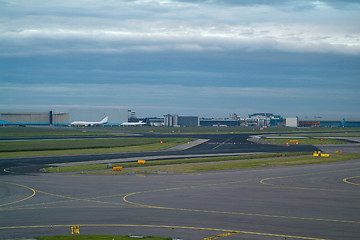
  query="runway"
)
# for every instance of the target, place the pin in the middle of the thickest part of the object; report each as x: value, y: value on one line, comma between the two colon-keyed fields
x: 217, y: 144
x: 302, y: 202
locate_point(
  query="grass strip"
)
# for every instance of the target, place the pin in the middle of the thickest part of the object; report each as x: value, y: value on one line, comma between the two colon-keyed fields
x: 97, y: 237
x: 90, y: 146
x: 228, y: 165
x: 94, y: 167
x: 15, y: 132
x: 304, y: 141
x: 21, y: 146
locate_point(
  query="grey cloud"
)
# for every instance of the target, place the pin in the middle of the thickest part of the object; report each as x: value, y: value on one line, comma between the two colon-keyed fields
x: 169, y: 91
x: 264, y: 2
x: 148, y: 26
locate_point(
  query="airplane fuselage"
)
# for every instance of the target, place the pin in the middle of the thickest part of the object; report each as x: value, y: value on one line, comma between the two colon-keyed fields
x: 87, y: 124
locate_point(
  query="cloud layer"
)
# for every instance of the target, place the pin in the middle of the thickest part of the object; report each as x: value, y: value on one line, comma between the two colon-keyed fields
x: 147, y: 26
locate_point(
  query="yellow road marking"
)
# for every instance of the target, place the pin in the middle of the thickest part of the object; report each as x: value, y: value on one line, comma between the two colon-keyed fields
x: 262, y: 181
x: 53, y: 207
x: 195, y: 145
x: 55, y: 195
x: 164, y: 226
x: 232, y: 213
x: 7, y: 170
x: 221, y: 235
x: 346, y: 180
x: 71, y: 199
x: 239, y: 213
x: 42, y: 205
x: 79, y: 199
x: 21, y: 200
x: 223, y: 142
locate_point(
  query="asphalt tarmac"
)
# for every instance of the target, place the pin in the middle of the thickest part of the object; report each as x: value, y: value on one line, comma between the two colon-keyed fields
x: 319, y: 201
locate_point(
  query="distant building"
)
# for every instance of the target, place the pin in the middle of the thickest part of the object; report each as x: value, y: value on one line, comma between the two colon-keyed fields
x: 35, y: 118
x: 292, y: 122
x: 155, y: 122
x: 170, y: 120
x: 264, y: 120
x: 220, y: 122
x: 188, y: 121
x: 131, y: 115
x: 326, y: 122
x: 351, y: 122
x: 235, y: 117
x: 181, y: 121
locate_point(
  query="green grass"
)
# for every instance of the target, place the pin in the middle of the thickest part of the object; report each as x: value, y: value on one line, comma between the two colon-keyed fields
x: 228, y: 165
x: 94, y: 146
x: 94, y: 167
x: 14, y: 132
x: 19, y: 146
x: 307, y: 141
x: 97, y: 237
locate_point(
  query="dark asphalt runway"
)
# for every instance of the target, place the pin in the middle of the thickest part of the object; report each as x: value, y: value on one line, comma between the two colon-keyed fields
x: 218, y: 143
x: 318, y: 201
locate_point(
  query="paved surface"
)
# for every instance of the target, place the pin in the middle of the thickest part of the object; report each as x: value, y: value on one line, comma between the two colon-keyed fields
x: 216, y: 144
x: 352, y: 139
x: 301, y: 202
x: 345, y: 148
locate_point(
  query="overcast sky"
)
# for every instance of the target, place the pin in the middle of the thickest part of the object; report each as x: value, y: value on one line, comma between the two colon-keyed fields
x: 203, y: 57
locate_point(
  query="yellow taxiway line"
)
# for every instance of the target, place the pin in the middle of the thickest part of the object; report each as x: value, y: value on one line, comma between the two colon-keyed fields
x: 346, y: 180
x: 21, y: 200
x: 165, y: 226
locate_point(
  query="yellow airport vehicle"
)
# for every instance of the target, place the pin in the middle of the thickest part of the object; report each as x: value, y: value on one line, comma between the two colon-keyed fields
x: 319, y: 154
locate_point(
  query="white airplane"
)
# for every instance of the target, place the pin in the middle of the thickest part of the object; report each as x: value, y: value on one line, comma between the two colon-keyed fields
x: 140, y: 123
x: 83, y: 123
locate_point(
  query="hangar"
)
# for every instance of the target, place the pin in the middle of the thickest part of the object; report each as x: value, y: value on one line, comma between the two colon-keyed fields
x: 181, y: 121
x: 35, y: 118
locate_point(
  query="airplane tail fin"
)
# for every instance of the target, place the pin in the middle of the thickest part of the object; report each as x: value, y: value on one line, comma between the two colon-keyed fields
x: 105, y: 120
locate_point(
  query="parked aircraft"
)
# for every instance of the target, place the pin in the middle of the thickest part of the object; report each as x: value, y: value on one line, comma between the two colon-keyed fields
x: 83, y: 123
x: 140, y: 123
